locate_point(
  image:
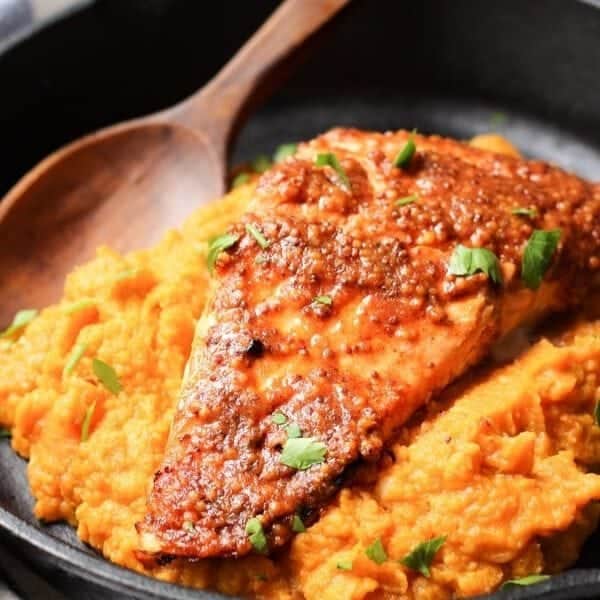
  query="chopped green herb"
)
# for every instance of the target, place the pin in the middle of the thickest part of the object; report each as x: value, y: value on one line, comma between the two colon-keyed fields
x: 261, y: 163
x: 328, y: 159
x: 468, y: 261
x: 261, y: 240
x: 326, y: 300
x: 407, y: 200
x: 20, y: 321
x: 216, y: 246
x: 538, y: 256
x: 525, y: 212
x: 302, y: 453
x: 528, y: 580
x: 597, y: 413
x: 405, y: 155
x: 293, y: 430
x: 240, y: 179
x: 421, y: 557
x: 279, y: 418
x: 77, y: 306
x: 497, y: 119
x: 5, y: 433
x: 256, y: 535
x: 298, y: 525
x: 376, y: 552
x: 87, y: 420
x: 344, y: 565
x: 107, y: 376
x: 284, y: 151
x: 127, y: 274
x: 74, y: 358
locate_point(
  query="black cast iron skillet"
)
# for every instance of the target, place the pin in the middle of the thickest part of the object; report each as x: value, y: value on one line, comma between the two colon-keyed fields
x: 527, y: 68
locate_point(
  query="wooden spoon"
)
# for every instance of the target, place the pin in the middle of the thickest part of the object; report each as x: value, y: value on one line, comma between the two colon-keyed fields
x: 125, y: 185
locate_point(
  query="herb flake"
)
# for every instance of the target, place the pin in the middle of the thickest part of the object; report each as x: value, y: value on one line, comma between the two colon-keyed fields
x: 538, y: 256
x: 239, y: 180
x: 75, y: 356
x: 303, y: 453
x: 284, y: 151
x: 344, y: 565
x: 79, y: 305
x: 326, y: 300
x: 525, y: 212
x: 293, y: 430
x: 405, y: 155
x: 329, y: 159
x: 20, y: 321
x: 468, y: 261
x: 107, y: 376
x: 261, y: 240
x: 261, y: 163
x: 216, y: 246
x: 421, y: 557
x: 406, y: 200
x: 528, y: 580
x: 298, y: 525
x: 279, y: 418
x: 87, y: 420
x: 256, y: 535
x: 376, y: 552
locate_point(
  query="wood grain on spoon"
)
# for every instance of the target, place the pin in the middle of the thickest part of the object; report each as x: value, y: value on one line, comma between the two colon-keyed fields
x: 125, y: 185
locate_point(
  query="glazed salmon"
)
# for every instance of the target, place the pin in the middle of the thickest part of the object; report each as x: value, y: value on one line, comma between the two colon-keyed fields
x: 366, y: 275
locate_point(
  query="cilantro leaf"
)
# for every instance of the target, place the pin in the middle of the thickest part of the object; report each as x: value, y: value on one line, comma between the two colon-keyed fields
x: 344, y: 565
x: 406, y: 200
x: 261, y: 240
x: 256, y: 535
x: 284, y: 151
x: 421, y: 557
x: 376, y: 552
x: 528, y: 580
x: 468, y: 261
x: 87, y: 420
x: 538, y: 256
x: 20, y: 321
x: 240, y: 179
x: 216, y: 246
x: 107, y: 376
x: 302, y: 453
x: 298, y: 525
x: 293, y: 430
x: 405, y: 155
x: 328, y: 159
x: 279, y: 418
x: 326, y: 300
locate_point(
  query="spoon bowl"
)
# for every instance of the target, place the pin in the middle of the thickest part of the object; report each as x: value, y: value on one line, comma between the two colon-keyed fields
x: 125, y: 185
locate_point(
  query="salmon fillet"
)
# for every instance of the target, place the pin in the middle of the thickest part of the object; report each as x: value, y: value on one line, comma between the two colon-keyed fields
x: 338, y: 311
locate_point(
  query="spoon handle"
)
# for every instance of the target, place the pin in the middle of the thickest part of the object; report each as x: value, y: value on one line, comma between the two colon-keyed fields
x: 215, y: 109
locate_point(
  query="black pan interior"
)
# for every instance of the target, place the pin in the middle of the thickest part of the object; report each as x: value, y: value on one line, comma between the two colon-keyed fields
x: 527, y: 69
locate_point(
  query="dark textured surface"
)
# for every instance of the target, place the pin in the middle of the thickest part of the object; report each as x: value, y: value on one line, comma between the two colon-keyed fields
x: 439, y: 66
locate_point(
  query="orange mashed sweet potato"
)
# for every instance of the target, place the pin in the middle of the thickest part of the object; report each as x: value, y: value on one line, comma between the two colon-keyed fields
x: 500, y: 464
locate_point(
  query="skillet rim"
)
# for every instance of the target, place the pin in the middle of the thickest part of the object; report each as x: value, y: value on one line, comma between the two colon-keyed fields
x: 94, y: 568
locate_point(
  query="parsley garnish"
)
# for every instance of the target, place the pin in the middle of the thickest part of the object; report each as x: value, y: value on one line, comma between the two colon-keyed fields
x: 326, y: 300
x: 293, y: 430
x: 216, y: 246
x: 261, y: 163
x: 79, y: 305
x: 279, y: 418
x: 261, y: 240
x: 468, y: 261
x: 528, y: 580
x: 525, y: 212
x: 20, y: 321
x: 240, y: 179
x: 284, y: 151
x: 328, y: 159
x: 421, y: 557
x: 405, y: 155
x: 302, y: 453
x: 538, y: 255
x: 344, y: 565
x: 76, y: 354
x: 107, y: 376
x: 5, y: 433
x: 597, y: 413
x: 256, y: 535
x: 406, y: 200
x: 376, y: 552
x: 87, y: 420
x: 298, y: 525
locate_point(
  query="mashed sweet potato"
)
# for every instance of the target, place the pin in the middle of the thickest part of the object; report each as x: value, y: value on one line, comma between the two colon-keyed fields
x: 499, y: 464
